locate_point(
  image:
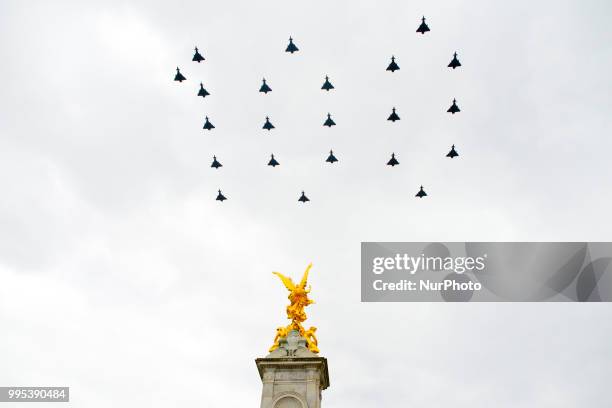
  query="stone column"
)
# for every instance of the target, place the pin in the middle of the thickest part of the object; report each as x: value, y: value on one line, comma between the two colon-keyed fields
x: 292, y: 375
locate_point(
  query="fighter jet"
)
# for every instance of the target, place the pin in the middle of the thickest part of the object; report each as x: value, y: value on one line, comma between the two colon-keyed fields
x: 455, y: 62
x: 197, y: 57
x: 327, y: 85
x: 331, y: 159
x: 202, y: 92
x: 215, y: 164
x: 220, y: 197
x: 273, y: 161
x: 208, y: 125
x: 421, y: 193
x: 179, y: 77
x: 393, y: 66
x: 329, y: 122
x: 393, y: 117
x: 303, y: 198
x: 393, y: 162
x: 423, y: 27
x: 454, y: 108
x: 453, y: 153
x: 268, y: 126
x: 291, y: 47
x: 264, y: 87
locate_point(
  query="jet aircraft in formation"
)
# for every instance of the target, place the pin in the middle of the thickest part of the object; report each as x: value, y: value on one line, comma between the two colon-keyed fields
x: 329, y: 122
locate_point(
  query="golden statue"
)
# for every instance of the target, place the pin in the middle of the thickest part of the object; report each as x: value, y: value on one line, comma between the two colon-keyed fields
x: 298, y: 296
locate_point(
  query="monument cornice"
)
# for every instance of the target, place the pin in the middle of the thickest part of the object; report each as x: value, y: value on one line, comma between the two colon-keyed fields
x: 295, y: 363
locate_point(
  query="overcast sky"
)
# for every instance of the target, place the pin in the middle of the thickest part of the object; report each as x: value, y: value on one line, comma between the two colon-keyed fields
x: 123, y: 278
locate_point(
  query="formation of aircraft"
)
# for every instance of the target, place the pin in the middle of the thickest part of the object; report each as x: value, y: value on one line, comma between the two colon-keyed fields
x: 329, y: 122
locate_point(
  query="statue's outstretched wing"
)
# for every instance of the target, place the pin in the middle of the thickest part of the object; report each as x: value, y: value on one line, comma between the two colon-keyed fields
x: 305, y: 277
x: 286, y: 280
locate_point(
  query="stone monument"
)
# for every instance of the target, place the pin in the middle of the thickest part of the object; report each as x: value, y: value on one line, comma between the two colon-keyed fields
x: 293, y: 374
